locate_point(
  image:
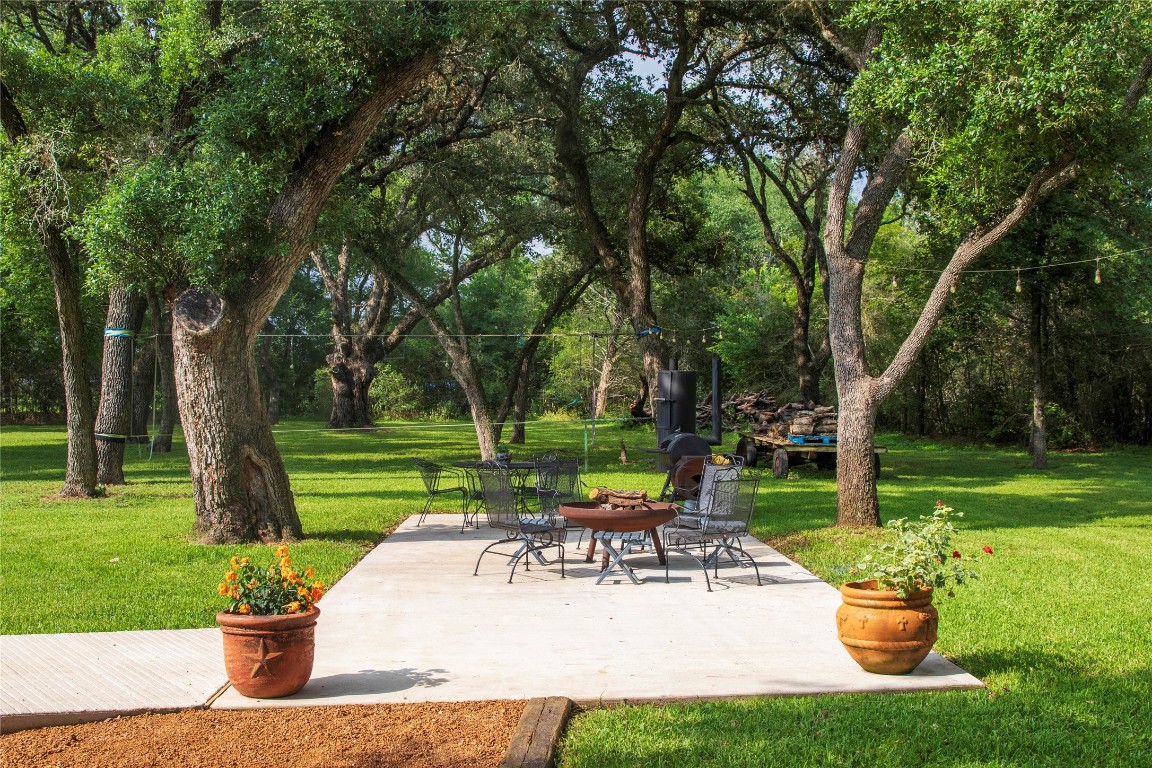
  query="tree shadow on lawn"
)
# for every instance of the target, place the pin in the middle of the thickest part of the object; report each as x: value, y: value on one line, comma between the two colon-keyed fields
x: 357, y: 536
x: 1057, y: 715
x: 992, y: 490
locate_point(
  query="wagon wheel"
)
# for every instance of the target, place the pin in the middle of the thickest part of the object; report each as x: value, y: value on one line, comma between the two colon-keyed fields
x: 780, y: 463
x: 826, y: 461
x: 876, y: 465
x: 746, y: 448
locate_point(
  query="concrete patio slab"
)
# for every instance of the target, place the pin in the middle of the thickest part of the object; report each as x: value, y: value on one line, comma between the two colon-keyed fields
x: 84, y: 677
x: 411, y: 623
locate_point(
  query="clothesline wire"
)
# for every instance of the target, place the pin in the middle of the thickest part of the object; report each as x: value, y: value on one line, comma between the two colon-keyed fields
x: 550, y: 334
x: 1028, y: 268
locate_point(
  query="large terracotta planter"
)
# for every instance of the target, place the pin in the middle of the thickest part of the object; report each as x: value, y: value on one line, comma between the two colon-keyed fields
x: 883, y: 633
x: 268, y: 656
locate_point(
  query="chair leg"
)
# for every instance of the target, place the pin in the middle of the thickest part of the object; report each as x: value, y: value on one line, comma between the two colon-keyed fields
x: 476, y: 570
x: 464, y: 509
x: 527, y: 548
x: 424, y: 512
x: 532, y: 549
x: 735, y: 547
x: 684, y: 551
x: 730, y: 548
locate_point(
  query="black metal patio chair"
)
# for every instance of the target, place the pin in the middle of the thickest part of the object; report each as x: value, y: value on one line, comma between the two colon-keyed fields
x: 440, y: 481
x: 687, y: 476
x: 713, y: 532
x: 530, y: 535
x: 558, y: 482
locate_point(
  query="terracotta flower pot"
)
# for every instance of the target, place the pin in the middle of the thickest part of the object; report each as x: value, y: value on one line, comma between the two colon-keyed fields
x: 883, y: 633
x: 268, y: 656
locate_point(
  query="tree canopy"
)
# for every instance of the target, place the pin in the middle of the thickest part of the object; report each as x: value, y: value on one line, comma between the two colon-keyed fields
x: 541, y: 201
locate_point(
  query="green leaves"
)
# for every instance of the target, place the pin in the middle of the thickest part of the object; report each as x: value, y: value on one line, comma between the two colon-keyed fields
x: 990, y: 90
x: 272, y: 590
x: 201, y: 219
x: 921, y: 557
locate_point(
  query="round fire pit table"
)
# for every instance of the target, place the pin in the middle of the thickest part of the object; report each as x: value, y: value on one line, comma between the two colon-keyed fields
x: 599, y: 520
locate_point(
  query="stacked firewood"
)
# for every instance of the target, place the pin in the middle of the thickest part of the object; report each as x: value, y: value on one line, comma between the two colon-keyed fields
x: 760, y: 412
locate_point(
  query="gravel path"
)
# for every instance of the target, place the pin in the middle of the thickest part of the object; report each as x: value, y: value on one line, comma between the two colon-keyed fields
x: 472, y: 734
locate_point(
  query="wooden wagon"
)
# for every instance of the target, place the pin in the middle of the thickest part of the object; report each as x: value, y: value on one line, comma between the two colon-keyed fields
x: 787, y: 453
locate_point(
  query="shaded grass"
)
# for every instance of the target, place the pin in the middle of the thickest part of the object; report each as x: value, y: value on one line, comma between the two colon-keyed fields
x: 1058, y: 627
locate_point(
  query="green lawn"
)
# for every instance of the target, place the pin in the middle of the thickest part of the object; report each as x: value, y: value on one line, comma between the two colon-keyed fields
x: 1059, y: 627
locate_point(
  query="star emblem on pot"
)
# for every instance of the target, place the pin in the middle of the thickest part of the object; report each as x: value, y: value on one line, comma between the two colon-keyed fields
x: 262, y: 659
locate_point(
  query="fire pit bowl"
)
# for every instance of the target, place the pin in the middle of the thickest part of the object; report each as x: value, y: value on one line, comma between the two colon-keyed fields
x: 642, y: 517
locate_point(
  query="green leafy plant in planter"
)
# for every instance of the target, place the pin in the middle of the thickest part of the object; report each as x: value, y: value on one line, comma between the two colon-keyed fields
x: 887, y: 622
x: 922, y: 556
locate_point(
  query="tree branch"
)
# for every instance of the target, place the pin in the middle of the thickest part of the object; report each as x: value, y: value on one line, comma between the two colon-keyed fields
x: 1043, y: 183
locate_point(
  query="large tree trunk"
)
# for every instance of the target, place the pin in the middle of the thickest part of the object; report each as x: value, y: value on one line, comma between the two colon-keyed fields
x: 465, y: 374
x: 520, y: 413
x: 807, y: 373
x: 343, y: 397
x: 80, y: 467
x: 611, y: 350
x: 271, y: 380
x: 1039, y: 437
x: 856, y: 500
x: 114, y: 417
x: 242, y: 491
x: 162, y: 322
x: 356, y: 346
x: 238, y: 479
x: 351, y: 379
x: 144, y: 380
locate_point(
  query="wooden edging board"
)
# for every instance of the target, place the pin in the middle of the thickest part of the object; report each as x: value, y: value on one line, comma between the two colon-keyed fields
x: 538, y: 733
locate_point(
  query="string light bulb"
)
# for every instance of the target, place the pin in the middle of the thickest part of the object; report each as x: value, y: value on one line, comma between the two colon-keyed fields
x: 1019, y: 285
x: 894, y: 284
x: 952, y: 288
x: 1097, y: 271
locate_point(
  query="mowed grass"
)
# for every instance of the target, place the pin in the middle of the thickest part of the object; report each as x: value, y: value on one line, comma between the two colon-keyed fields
x: 1059, y: 627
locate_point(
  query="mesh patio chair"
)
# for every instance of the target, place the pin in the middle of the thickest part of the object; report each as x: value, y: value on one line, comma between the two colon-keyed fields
x: 686, y: 476
x: 439, y: 481
x: 558, y: 482
x: 531, y: 536
x: 475, y: 502
x: 713, y: 532
x: 700, y: 498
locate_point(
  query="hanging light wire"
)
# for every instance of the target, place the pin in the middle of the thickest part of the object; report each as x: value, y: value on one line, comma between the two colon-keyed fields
x: 1097, y: 259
